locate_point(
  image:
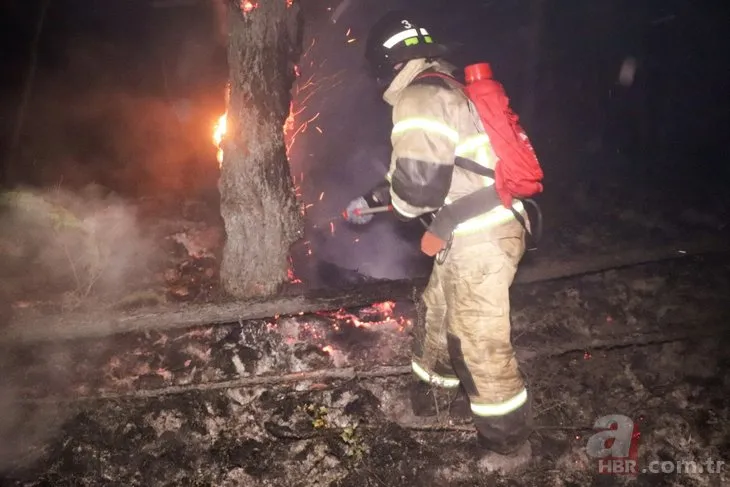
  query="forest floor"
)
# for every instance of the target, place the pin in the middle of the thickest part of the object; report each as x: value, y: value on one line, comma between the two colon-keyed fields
x: 220, y: 406
x: 317, y: 399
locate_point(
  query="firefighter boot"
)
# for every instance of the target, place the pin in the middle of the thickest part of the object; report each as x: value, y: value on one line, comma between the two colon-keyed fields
x: 423, y: 398
x: 505, y: 434
x: 490, y: 461
x: 503, y: 440
x: 428, y: 400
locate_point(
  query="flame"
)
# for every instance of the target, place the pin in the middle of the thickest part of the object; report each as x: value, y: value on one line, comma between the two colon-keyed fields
x: 376, y: 314
x: 247, y: 6
x: 219, y: 131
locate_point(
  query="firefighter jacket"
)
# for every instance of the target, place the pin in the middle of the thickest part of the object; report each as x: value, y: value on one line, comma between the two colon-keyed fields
x: 434, y: 123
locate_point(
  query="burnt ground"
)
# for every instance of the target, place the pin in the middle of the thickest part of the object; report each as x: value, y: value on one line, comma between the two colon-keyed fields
x: 219, y: 406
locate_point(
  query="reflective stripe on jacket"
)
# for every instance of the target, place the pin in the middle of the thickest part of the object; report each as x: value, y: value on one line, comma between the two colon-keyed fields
x: 432, y: 125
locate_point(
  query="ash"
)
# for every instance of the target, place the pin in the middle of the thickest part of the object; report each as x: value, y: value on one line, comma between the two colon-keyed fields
x: 272, y: 402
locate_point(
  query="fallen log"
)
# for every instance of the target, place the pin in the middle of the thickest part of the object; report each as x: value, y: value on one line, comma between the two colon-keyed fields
x: 352, y: 373
x: 31, y: 326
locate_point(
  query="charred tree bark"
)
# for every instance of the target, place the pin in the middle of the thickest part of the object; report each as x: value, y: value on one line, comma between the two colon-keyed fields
x: 258, y: 204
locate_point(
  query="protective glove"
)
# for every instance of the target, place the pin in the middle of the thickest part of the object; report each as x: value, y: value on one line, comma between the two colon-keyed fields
x: 351, y: 213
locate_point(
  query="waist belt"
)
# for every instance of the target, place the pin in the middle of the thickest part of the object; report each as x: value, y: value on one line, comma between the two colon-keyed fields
x: 477, y: 203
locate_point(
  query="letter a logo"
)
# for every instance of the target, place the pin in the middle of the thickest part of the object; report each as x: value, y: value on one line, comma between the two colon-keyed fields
x: 614, y: 438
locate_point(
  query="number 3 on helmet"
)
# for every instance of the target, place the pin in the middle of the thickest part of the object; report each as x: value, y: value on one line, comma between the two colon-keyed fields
x: 396, y: 38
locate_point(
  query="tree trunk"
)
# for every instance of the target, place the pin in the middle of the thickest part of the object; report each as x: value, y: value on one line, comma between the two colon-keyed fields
x: 258, y: 204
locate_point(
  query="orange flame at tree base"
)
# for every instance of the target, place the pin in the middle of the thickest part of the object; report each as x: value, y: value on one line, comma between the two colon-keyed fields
x: 219, y: 131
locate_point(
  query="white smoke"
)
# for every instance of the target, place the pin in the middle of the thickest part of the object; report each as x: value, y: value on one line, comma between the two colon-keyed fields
x: 73, y: 249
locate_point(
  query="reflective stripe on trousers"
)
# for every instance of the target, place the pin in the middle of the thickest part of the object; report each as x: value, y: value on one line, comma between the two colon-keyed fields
x: 484, y: 410
x: 433, y: 378
x: 502, y: 408
x: 463, y: 329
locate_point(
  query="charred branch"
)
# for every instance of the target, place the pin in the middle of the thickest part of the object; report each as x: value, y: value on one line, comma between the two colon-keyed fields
x: 34, y: 326
x: 332, y: 375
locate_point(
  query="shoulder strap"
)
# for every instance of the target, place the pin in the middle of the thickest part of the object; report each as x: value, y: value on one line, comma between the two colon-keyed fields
x: 444, y: 80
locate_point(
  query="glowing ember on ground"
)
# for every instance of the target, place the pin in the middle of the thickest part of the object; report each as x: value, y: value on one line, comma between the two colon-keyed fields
x: 219, y: 131
x: 290, y: 274
x: 374, y: 315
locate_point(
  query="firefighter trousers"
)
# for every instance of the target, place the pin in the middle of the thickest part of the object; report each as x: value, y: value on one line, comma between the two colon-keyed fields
x: 462, y: 337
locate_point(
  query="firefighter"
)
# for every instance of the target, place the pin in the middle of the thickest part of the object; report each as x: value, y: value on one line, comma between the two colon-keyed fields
x: 462, y: 338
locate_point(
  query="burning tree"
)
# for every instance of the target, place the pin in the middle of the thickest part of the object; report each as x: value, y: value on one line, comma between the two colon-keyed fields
x: 258, y: 203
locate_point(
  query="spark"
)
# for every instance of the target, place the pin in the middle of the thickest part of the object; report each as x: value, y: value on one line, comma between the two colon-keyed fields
x: 308, y: 206
x: 306, y: 53
x: 321, y: 195
x: 357, y: 240
x: 318, y: 129
x: 332, y: 228
x: 348, y: 32
x: 350, y: 41
x: 302, y: 128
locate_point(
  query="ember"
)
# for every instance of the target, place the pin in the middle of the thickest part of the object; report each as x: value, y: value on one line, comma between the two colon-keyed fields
x: 290, y: 274
x: 247, y: 6
x: 376, y: 314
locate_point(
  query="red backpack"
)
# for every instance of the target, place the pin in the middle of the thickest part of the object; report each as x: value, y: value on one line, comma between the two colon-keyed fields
x: 518, y: 173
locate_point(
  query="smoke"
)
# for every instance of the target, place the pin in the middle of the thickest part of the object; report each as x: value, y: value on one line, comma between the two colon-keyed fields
x: 60, y: 250
x: 352, y: 152
x: 84, y: 246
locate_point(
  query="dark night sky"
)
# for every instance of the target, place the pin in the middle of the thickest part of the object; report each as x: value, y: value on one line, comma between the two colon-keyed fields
x: 680, y: 46
x: 111, y: 72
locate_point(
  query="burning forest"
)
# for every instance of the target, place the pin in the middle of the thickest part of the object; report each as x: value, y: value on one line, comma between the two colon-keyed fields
x: 189, y: 296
